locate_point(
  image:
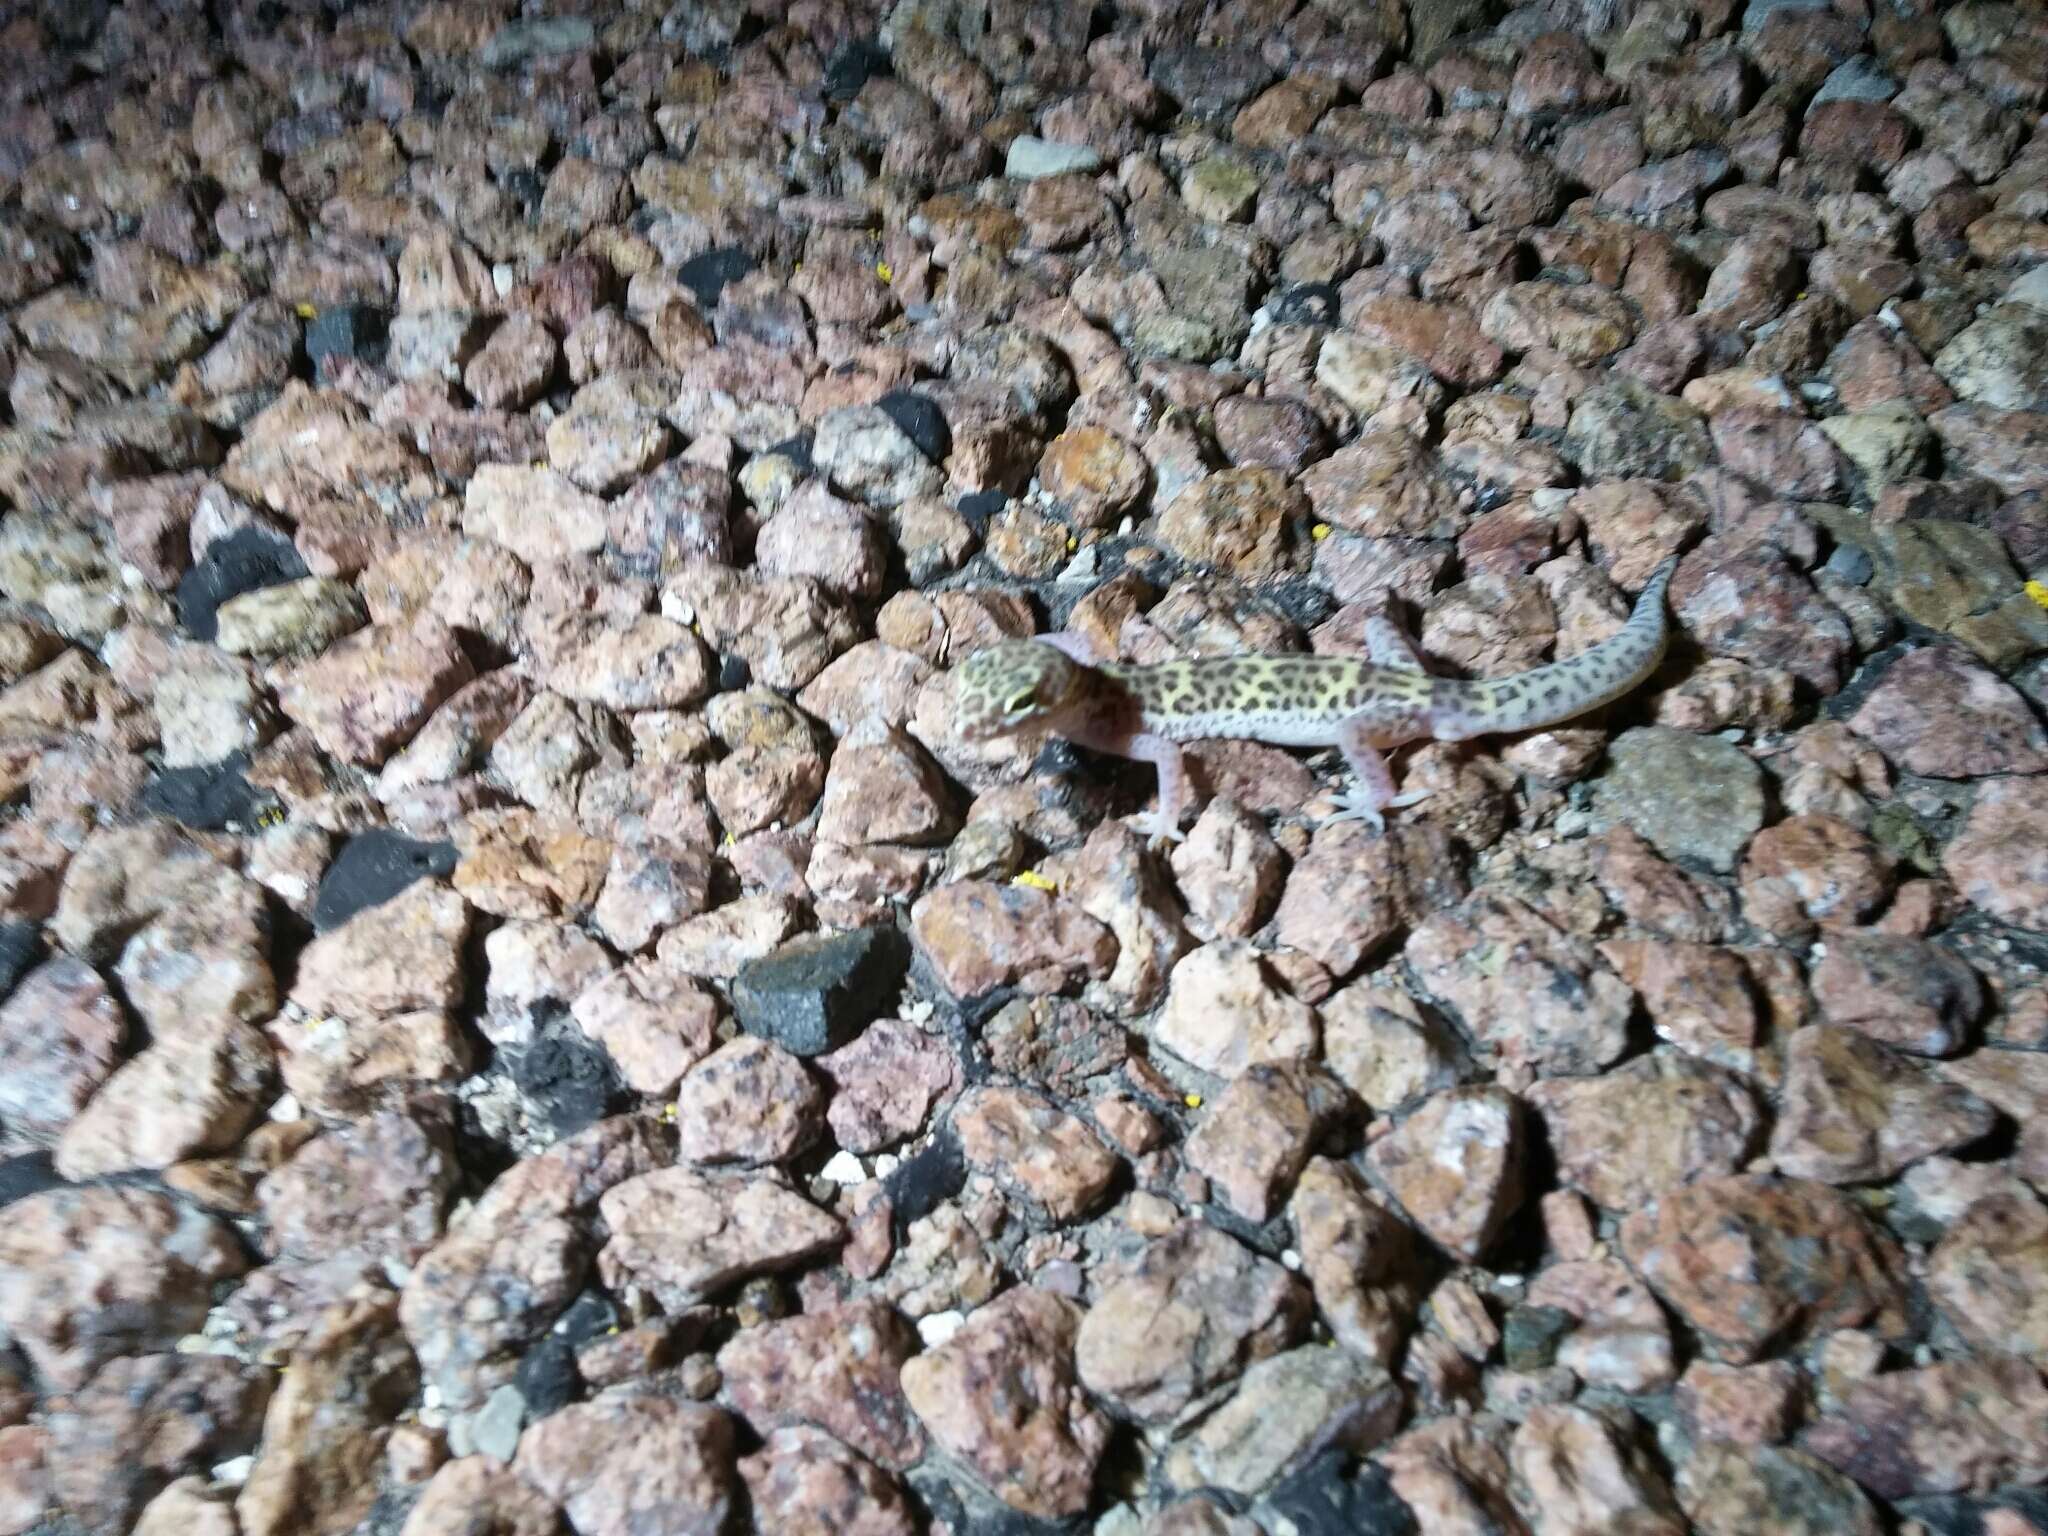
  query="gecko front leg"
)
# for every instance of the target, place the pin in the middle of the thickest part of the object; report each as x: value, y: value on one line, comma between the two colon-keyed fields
x: 1165, y: 756
x: 1361, y: 739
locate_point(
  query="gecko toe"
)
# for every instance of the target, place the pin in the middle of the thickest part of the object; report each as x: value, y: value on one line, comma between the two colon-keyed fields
x: 1351, y: 808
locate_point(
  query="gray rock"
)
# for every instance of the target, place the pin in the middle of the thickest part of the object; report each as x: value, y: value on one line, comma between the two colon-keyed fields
x: 1759, y: 12
x: 495, y: 1428
x: 2000, y: 359
x: 518, y: 41
x: 1691, y: 797
x: 1859, y: 79
x: 1032, y: 158
x: 1624, y: 430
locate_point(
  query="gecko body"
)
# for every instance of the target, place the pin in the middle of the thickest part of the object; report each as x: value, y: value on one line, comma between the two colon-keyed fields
x: 1360, y: 707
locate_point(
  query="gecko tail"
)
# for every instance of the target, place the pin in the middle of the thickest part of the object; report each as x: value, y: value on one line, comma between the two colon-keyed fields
x: 1564, y: 690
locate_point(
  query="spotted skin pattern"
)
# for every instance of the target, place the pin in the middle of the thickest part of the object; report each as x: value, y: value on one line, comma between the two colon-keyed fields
x: 1362, y: 708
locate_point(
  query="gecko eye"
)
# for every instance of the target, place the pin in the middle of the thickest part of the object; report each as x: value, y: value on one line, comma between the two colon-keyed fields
x: 1022, y: 699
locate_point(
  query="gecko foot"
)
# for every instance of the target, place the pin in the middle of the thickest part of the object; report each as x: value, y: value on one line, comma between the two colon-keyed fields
x: 1356, y: 807
x: 1151, y: 824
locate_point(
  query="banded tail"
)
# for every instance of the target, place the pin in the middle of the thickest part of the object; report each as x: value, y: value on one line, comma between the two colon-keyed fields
x: 1564, y: 690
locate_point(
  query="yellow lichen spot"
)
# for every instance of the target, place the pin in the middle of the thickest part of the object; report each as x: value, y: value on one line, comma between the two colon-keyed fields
x: 1035, y: 881
x: 2038, y: 591
x: 1072, y: 545
x: 306, y: 311
x: 1192, y: 1100
x: 668, y: 1114
x: 1320, y: 532
x: 885, y: 272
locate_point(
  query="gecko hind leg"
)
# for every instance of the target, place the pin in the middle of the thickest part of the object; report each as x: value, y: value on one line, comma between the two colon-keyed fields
x: 1375, y: 795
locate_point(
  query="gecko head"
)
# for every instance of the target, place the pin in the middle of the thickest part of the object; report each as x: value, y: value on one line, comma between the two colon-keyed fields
x: 1012, y: 687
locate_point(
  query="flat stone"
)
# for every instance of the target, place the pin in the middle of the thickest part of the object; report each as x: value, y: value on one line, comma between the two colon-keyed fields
x: 1690, y: 797
x: 1656, y: 1123
x: 1855, y: 1112
x: 1939, y: 713
x: 635, y: 1464
x: 88, y: 1274
x: 686, y: 1235
x: 1286, y: 1412
x: 1942, y: 1428
x: 1031, y: 158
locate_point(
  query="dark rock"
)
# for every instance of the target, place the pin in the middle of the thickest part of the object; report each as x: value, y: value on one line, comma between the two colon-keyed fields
x: 798, y: 451
x: 247, y: 560
x: 967, y: 1511
x: 345, y: 331
x: 21, y: 946
x: 817, y: 992
x: 921, y: 421
x: 371, y: 869
x: 707, y: 273
x: 522, y: 186
x: 569, y: 1078
x: 982, y: 507
x: 853, y: 65
x: 1961, y: 1514
x: 21, y: 1177
x: 210, y: 797
x: 927, y: 1180
x: 548, y: 1378
x: 1210, y: 82
x: 734, y: 674
x: 1529, y: 1336
x: 1308, y: 304
x: 1333, y: 1496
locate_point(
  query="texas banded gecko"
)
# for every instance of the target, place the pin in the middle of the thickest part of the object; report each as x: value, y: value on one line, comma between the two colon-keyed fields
x: 1362, y: 708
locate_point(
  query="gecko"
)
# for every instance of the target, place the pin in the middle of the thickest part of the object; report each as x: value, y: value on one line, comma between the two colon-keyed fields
x: 1363, y: 708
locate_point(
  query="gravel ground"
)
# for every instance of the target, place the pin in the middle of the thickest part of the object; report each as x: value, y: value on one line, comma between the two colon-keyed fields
x: 521, y: 1014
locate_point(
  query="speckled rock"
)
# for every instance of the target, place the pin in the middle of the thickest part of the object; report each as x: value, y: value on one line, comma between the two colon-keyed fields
x: 1962, y: 1424
x: 1034, y: 1148
x: 1034, y: 1444
x: 626, y: 1463
x: 685, y: 1234
x: 1855, y: 1112
x: 1192, y: 1312
x: 102, y: 1271
x: 1656, y: 1123
x: 1454, y: 1166
x: 835, y: 1369
x: 1749, y: 1261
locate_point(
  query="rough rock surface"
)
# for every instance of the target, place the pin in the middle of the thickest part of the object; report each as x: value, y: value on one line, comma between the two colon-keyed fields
x: 522, y: 1009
